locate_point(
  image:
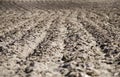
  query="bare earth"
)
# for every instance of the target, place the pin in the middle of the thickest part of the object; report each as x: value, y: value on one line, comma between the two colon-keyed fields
x: 59, y: 40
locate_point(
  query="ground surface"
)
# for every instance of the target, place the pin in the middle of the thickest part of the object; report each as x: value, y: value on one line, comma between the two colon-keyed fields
x: 59, y: 42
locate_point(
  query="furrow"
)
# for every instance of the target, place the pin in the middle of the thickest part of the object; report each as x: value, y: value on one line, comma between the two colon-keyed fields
x: 11, y: 26
x: 78, y: 42
x: 22, y: 48
x: 95, y: 26
x: 111, y: 30
x: 31, y: 40
x: 104, y: 39
x: 19, y: 33
x: 50, y: 49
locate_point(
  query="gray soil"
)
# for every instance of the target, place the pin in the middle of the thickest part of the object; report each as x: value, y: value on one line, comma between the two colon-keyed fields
x: 59, y: 39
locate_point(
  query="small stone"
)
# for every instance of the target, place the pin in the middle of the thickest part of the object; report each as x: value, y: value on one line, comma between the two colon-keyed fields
x: 1, y: 49
x: 66, y: 65
x: 64, y: 71
x: 28, y: 70
x: 64, y: 58
x: 32, y: 64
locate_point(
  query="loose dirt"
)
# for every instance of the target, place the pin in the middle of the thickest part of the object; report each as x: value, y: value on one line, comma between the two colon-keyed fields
x: 59, y: 39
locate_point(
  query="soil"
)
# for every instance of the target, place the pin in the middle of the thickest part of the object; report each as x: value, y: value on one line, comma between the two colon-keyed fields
x: 59, y: 39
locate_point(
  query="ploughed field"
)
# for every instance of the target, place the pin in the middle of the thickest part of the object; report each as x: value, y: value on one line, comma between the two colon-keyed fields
x: 59, y: 40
